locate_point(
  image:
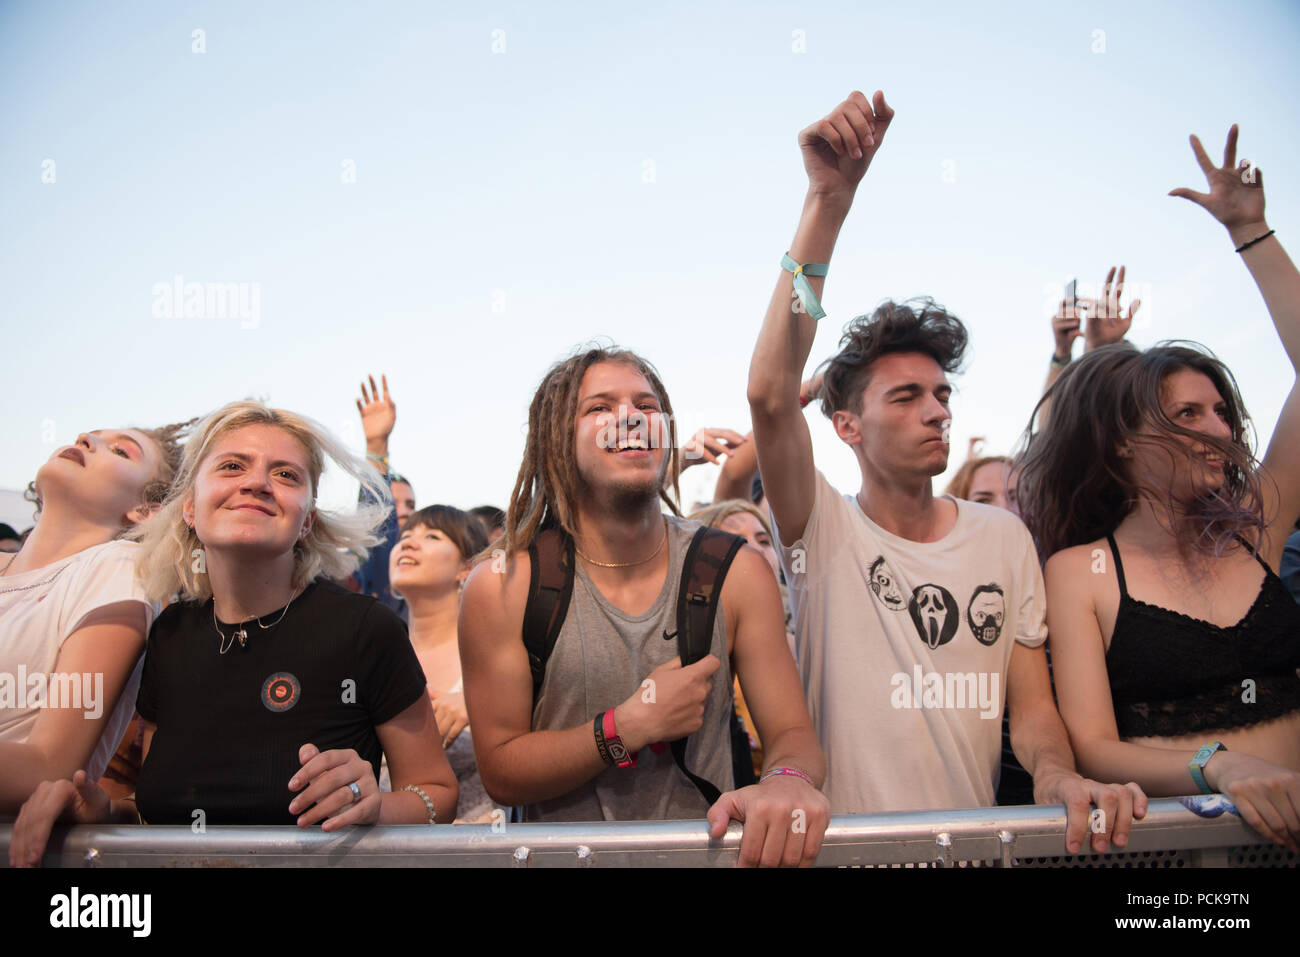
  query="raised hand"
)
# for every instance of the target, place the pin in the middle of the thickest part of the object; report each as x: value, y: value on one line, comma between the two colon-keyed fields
x: 1236, y: 196
x: 838, y: 148
x: 707, y: 445
x: 378, y: 416
x: 1107, y: 322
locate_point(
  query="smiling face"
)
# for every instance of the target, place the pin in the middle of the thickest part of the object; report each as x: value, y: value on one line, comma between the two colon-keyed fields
x: 903, y: 424
x: 425, y: 557
x: 103, y: 475
x: 619, y: 436
x: 252, y: 492
x: 1190, y: 399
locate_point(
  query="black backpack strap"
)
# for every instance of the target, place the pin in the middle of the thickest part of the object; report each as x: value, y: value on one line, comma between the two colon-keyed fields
x: 707, y: 559
x: 550, y: 586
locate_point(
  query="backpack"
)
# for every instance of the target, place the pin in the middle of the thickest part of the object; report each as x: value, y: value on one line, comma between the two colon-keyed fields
x: 707, y: 559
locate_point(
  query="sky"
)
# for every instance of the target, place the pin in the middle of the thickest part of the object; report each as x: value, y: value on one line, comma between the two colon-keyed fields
x: 459, y: 195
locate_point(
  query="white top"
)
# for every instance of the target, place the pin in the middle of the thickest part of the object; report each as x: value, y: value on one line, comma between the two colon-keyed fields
x: 901, y: 648
x: 39, y: 610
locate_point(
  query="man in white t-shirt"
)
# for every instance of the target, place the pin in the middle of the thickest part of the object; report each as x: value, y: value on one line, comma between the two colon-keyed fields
x: 917, y: 617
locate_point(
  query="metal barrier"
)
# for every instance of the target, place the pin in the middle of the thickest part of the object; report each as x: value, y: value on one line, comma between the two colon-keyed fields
x: 1171, y: 835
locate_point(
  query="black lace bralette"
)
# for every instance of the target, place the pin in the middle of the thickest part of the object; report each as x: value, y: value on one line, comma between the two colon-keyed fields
x: 1173, y: 675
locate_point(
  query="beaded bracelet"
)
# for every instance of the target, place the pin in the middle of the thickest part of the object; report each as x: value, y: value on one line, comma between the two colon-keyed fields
x: 433, y: 819
x: 794, y: 771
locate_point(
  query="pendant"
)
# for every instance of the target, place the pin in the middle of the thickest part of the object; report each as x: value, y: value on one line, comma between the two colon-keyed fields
x: 242, y: 635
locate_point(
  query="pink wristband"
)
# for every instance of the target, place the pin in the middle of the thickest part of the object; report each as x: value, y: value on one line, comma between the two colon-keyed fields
x: 794, y: 771
x: 617, y: 749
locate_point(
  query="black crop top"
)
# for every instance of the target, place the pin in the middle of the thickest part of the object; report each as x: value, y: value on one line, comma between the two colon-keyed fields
x: 1172, y: 675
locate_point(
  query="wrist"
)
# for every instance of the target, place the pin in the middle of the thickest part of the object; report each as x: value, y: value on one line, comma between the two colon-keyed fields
x: 835, y: 200
x: 377, y: 447
x: 627, y: 721
x: 1211, y: 767
x: 1245, y: 232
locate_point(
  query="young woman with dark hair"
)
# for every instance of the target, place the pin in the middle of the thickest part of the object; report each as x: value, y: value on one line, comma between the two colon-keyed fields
x: 1174, y: 644
x: 428, y: 567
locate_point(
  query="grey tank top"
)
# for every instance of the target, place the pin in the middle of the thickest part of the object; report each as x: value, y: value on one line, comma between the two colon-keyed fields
x: 601, y: 656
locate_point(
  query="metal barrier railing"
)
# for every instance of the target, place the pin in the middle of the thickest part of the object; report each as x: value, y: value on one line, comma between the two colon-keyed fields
x: 1170, y: 835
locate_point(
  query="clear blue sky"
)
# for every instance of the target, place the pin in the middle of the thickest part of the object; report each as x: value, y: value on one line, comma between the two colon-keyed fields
x: 626, y: 171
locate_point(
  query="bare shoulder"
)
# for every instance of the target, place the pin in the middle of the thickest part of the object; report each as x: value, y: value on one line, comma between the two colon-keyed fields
x: 1074, y: 566
x: 497, y: 591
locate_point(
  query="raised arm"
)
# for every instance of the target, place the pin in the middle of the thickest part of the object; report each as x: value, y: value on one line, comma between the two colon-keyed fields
x: 836, y: 151
x: 1107, y: 324
x: 1236, y: 200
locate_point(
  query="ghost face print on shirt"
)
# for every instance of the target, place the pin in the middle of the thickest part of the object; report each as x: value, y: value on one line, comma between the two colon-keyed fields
x: 935, y: 614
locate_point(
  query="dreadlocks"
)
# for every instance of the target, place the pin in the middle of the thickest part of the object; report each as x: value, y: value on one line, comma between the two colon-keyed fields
x: 546, y: 491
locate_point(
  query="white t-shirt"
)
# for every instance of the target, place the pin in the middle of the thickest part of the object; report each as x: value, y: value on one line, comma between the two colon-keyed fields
x: 39, y: 610
x: 903, y: 649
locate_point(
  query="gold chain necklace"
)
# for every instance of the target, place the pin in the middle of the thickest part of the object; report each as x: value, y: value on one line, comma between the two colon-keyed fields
x: 639, y: 561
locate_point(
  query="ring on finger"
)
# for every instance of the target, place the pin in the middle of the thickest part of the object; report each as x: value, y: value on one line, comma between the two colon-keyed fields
x: 356, y: 791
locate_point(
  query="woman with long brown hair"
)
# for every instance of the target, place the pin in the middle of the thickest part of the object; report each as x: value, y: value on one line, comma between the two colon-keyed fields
x: 1174, y: 643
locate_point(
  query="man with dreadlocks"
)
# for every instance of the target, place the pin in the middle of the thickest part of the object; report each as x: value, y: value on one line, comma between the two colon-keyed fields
x: 587, y: 744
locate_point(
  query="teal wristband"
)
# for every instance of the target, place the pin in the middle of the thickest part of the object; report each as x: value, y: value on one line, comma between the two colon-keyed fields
x: 803, y: 289
x: 1197, y: 765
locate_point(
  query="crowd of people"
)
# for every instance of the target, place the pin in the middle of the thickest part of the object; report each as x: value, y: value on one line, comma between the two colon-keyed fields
x: 244, y: 656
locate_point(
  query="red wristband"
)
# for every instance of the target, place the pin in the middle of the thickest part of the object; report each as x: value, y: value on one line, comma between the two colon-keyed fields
x: 617, y: 749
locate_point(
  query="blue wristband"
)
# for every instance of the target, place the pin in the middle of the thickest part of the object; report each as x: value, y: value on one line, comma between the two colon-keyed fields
x: 1197, y: 765
x: 803, y: 289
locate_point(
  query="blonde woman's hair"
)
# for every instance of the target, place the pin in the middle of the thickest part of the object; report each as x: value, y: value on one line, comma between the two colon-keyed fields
x: 714, y: 515
x: 172, y: 558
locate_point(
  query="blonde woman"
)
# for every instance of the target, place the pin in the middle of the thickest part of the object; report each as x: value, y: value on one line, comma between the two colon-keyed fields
x: 269, y: 694
x: 71, y: 605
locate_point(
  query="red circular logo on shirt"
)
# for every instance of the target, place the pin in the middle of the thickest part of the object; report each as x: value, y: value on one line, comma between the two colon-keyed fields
x: 280, y: 692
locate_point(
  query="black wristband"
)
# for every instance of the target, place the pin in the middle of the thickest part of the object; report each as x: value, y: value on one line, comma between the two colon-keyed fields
x: 1258, y: 239
x: 600, y: 740
x: 1058, y: 361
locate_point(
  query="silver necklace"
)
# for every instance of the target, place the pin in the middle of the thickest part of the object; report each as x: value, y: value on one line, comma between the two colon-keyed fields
x: 241, y: 633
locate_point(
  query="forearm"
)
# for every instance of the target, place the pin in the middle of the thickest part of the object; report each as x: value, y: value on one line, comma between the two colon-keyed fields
x: 786, y: 339
x: 1160, y: 772
x: 737, y: 475
x: 796, y: 748
x: 22, y: 768
x: 406, y: 807
x: 542, y: 765
x: 1041, y: 743
x: 1278, y: 281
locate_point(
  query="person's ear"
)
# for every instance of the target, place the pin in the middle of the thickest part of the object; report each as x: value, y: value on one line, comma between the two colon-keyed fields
x: 187, y: 512
x: 142, y: 513
x: 307, y: 524
x: 848, y: 427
